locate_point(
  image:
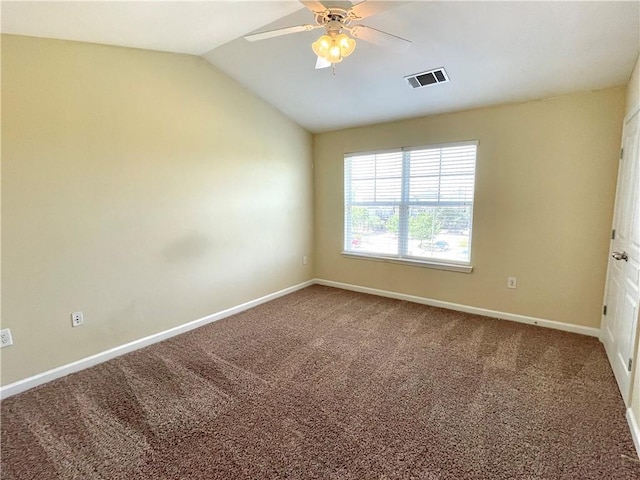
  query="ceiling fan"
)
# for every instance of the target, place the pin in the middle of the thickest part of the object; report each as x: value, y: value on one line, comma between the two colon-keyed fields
x: 335, y: 44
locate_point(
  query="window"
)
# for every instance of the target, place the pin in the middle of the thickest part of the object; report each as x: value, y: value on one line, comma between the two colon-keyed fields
x: 412, y: 204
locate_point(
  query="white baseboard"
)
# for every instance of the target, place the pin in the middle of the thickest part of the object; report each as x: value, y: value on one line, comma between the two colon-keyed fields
x: 635, y: 429
x: 541, y: 322
x: 41, y: 378
x: 64, y: 370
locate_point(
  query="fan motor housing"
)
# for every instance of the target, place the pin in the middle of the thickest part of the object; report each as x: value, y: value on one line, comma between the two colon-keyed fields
x: 333, y: 14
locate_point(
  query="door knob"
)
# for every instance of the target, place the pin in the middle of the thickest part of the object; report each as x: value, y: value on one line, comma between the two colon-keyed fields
x: 620, y: 256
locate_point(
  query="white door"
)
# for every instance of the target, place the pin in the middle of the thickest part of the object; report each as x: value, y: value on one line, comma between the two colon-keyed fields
x: 623, y: 275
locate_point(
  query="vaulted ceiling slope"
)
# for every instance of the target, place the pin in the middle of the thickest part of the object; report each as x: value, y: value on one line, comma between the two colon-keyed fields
x: 493, y: 52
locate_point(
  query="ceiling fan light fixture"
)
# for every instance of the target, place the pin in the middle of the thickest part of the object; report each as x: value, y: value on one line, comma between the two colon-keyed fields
x: 334, y: 48
x: 347, y: 45
x: 321, y: 46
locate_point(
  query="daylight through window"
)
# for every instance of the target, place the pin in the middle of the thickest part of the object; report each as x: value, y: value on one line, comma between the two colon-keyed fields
x: 414, y: 203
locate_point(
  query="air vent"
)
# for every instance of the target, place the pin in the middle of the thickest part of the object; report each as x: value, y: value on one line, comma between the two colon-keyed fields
x: 424, y: 79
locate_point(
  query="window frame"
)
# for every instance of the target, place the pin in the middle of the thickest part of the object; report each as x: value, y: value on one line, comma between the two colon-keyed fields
x: 404, y: 205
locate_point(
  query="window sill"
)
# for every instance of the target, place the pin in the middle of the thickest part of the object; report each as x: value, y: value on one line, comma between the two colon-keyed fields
x: 452, y: 267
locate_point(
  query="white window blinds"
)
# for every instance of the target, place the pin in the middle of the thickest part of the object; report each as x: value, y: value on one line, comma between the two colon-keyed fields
x: 414, y: 203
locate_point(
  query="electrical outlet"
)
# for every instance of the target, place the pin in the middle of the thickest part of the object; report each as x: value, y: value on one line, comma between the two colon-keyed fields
x: 305, y: 260
x: 77, y: 319
x: 511, y: 282
x: 5, y: 338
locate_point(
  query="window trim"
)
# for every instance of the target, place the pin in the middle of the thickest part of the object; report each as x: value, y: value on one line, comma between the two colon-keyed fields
x: 448, y: 265
x: 379, y: 257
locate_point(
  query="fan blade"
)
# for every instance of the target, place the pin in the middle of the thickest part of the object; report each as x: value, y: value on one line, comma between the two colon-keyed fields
x: 280, y: 31
x: 367, y: 8
x: 314, y: 5
x: 322, y: 63
x: 378, y: 37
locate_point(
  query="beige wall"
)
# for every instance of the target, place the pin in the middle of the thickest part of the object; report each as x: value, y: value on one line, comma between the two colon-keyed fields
x: 149, y: 189
x: 546, y: 174
x: 146, y: 189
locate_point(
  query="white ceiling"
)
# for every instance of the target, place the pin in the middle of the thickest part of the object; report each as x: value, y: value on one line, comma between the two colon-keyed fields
x: 494, y: 52
x: 170, y: 26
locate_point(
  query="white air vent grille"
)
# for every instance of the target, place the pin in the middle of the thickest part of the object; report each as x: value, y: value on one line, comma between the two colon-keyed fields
x: 425, y: 79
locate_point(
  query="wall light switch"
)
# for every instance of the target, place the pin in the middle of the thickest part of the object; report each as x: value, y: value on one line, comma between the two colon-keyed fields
x: 511, y: 282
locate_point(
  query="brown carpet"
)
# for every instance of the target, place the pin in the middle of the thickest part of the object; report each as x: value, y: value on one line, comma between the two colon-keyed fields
x: 326, y: 383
